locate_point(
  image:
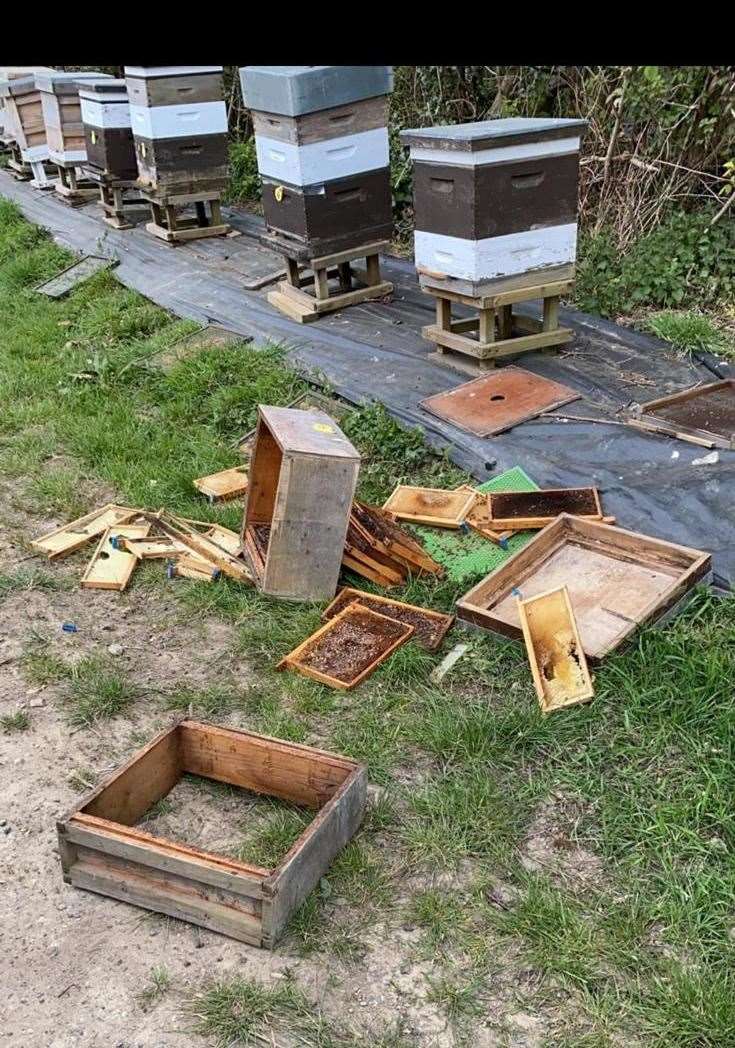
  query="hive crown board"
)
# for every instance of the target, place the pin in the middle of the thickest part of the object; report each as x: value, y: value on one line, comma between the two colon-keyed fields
x: 153, y: 72
x: 491, y: 134
x: 296, y: 90
x: 66, y: 83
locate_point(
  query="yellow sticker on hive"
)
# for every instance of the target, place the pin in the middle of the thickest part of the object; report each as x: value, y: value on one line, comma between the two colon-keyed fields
x: 94, y: 138
x: 322, y: 427
x: 278, y: 194
x: 142, y: 148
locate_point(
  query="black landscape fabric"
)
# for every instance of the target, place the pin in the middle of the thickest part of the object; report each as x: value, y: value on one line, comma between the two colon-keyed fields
x: 374, y: 351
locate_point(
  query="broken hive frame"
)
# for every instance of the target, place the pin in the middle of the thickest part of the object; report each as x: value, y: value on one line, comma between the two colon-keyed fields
x: 704, y: 415
x: 535, y: 509
x: 113, y: 564
x: 227, y: 484
x: 200, y: 545
x: 430, y: 627
x: 555, y: 652
x: 618, y: 580
x: 77, y: 533
x: 433, y: 506
x: 387, y: 536
x: 478, y: 518
x: 103, y: 851
x: 348, y: 648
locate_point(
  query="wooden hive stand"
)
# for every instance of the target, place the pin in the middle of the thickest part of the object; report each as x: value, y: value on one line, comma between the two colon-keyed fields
x: 332, y: 280
x: 19, y: 169
x: 170, y: 224
x: 475, y: 343
x: 74, y: 189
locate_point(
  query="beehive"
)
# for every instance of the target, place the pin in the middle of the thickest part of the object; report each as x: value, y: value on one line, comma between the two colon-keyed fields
x: 322, y: 145
x: 25, y: 117
x: 8, y: 131
x: 496, y: 199
x: 62, y: 115
x: 302, y: 479
x: 179, y: 123
x: 108, y: 135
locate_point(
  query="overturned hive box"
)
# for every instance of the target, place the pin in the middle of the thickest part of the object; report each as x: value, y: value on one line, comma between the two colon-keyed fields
x: 103, y: 851
x: 301, y: 483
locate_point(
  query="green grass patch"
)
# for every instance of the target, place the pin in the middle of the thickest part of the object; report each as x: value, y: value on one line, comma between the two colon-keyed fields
x: 96, y: 691
x: 15, y: 722
x: 687, y: 331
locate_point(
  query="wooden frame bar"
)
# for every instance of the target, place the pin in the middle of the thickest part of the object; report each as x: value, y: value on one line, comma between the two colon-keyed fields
x: 103, y: 851
x: 434, y: 506
x: 618, y: 580
x: 511, y: 509
x: 650, y: 419
x: 555, y: 652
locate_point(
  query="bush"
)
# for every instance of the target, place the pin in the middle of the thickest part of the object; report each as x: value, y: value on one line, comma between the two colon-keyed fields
x: 244, y: 177
x: 683, y: 263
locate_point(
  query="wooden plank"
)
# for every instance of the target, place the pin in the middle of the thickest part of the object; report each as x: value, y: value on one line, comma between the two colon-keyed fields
x: 295, y: 773
x: 152, y: 548
x: 73, y: 536
x: 165, y: 893
x: 227, y: 484
x: 127, y: 794
x: 310, y: 857
x: 135, y: 845
x: 384, y: 533
x: 200, y: 545
x: 436, y: 506
x: 112, y: 566
x: 506, y: 347
x: 351, y: 646
x: 368, y: 572
x: 555, y: 651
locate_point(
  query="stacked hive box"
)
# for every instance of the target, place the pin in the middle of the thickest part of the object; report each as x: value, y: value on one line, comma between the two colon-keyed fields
x: 110, y: 147
x: 179, y: 122
x: 26, y: 131
x: 322, y: 145
x: 65, y: 131
x: 496, y: 222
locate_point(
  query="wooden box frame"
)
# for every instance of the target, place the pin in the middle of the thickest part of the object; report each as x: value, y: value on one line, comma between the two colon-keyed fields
x: 348, y: 594
x: 301, y: 482
x: 651, y: 419
x: 404, y: 503
x: 521, y: 523
x: 685, y: 566
x: 542, y: 636
x: 103, y: 851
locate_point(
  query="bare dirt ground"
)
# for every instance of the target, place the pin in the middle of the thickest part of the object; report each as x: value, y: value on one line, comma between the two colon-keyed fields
x: 73, y: 963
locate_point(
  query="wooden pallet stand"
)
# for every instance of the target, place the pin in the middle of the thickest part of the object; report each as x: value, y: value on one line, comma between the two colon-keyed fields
x: 170, y: 224
x: 19, y: 169
x: 474, y: 344
x: 103, y: 851
x: 74, y: 188
x: 332, y: 281
x: 121, y: 202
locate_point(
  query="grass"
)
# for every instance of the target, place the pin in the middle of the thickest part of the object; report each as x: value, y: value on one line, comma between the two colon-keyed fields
x: 158, y: 986
x: 688, y: 331
x: 15, y: 722
x: 641, y: 780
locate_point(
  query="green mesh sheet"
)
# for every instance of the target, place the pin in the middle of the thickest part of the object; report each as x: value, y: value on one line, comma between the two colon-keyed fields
x: 465, y: 555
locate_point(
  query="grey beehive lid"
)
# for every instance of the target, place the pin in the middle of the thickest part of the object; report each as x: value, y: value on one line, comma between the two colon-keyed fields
x: 65, y: 83
x: 20, y: 86
x: 491, y: 134
x: 295, y: 90
x: 102, y: 89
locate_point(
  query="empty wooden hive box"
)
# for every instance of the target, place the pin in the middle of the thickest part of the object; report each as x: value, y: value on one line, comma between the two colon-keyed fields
x: 496, y: 223
x: 321, y: 137
x: 25, y: 124
x: 303, y: 473
x: 103, y: 850
x: 62, y: 116
x: 108, y: 137
x: 179, y: 122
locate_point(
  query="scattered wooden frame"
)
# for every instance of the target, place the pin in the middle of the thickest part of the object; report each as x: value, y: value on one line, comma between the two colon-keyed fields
x: 200, y: 545
x: 723, y: 437
x: 227, y: 484
x: 520, y: 510
x: 75, y: 274
x: 103, y: 851
x: 343, y: 632
x: 77, y: 533
x: 388, y: 537
x: 112, y: 564
x: 434, y: 506
x: 430, y: 627
x: 555, y: 653
x: 618, y: 580
x: 478, y: 518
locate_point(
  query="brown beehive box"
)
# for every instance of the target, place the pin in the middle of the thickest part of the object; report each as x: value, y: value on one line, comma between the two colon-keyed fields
x: 302, y: 480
